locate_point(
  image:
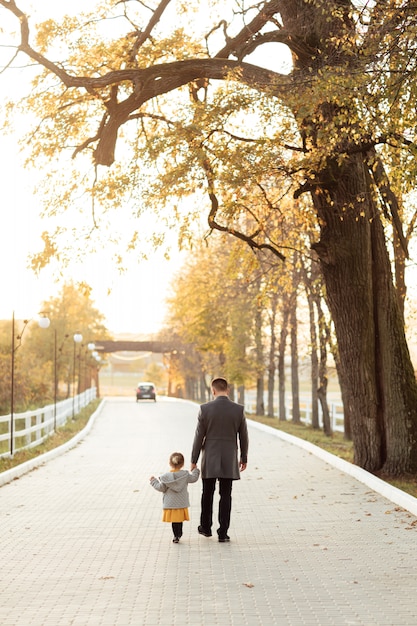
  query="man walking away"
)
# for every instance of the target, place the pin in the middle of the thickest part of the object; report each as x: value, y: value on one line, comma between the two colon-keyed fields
x: 221, y: 423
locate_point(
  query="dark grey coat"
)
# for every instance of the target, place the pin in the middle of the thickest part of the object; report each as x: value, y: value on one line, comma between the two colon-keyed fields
x: 221, y: 423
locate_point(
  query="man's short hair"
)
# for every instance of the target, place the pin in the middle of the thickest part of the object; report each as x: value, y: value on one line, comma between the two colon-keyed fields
x: 219, y: 384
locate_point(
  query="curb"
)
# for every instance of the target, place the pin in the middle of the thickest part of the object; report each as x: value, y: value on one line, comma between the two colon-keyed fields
x: 15, y: 472
x: 397, y: 496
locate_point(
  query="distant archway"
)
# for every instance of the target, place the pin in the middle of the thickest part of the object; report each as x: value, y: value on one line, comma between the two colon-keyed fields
x: 161, y: 347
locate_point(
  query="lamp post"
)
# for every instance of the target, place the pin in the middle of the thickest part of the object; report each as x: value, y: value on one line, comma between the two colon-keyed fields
x: 77, y: 339
x: 55, y: 378
x: 43, y: 322
x: 98, y: 359
x: 92, y: 350
x: 57, y: 356
x: 79, y: 382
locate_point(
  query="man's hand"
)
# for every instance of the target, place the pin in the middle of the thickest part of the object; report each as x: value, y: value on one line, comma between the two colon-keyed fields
x: 242, y: 466
x: 193, y: 466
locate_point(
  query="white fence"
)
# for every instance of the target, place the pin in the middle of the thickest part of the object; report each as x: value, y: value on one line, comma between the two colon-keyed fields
x: 33, y: 427
x: 335, y: 409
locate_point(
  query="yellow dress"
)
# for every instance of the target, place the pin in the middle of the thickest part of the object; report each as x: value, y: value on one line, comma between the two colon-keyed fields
x: 175, y: 515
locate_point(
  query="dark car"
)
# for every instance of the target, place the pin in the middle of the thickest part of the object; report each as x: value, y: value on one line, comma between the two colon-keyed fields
x: 146, y: 391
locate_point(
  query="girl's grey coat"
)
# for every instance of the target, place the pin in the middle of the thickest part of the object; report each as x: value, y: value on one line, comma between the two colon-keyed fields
x: 174, y: 487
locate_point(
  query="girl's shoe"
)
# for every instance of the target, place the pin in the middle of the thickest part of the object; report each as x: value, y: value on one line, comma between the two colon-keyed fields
x: 176, y: 540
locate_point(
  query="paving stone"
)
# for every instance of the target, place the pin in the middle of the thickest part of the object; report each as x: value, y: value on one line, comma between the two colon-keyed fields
x: 83, y: 544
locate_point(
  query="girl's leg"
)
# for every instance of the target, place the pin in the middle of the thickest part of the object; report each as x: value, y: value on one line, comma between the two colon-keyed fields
x: 177, y: 529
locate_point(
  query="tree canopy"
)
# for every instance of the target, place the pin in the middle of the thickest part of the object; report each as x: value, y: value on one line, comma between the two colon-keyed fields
x: 48, y: 354
x: 132, y: 78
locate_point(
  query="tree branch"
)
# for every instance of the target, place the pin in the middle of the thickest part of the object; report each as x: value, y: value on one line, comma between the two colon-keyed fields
x: 254, y: 245
x: 231, y: 135
x: 160, y: 79
x: 147, y: 83
x: 145, y: 34
x: 296, y: 45
x: 249, y: 30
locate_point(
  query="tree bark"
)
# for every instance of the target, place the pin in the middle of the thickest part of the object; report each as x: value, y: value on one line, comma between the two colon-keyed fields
x: 271, y: 362
x: 380, y: 387
x: 324, y: 341
x: 322, y: 396
x: 314, y: 361
x: 260, y: 407
x: 260, y: 366
x: 323, y: 380
x: 399, y: 264
x: 241, y: 394
x: 282, y: 414
x: 295, y: 384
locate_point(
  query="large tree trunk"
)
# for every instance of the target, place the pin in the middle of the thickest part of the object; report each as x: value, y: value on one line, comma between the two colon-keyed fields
x: 380, y: 387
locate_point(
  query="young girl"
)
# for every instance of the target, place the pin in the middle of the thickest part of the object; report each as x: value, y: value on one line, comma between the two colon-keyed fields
x: 174, y: 486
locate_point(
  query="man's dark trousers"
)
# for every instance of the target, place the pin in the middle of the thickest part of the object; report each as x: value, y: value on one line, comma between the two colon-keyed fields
x: 225, y: 504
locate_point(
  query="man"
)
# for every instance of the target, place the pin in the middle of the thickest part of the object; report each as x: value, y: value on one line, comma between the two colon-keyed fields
x: 221, y: 423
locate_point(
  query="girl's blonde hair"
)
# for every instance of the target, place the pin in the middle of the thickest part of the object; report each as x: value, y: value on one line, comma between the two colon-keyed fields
x: 176, y: 459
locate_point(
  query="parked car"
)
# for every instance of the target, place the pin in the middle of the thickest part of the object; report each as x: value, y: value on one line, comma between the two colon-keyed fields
x: 146, y: 391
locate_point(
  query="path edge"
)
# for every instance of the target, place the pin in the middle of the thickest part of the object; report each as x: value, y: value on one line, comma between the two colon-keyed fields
x: 395, y: 495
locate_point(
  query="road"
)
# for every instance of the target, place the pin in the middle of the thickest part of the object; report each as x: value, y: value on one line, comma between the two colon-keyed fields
x: 83, y: 544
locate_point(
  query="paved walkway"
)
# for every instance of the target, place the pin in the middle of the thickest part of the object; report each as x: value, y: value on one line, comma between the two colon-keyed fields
x: 82, y: 543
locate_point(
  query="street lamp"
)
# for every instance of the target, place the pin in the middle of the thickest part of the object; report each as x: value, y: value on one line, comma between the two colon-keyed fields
x: 43, y: 322
x: 92, y: 352
x: 55, y: 378
x: 77, y: 339
x: 57, y: 355
x: 98, y: 360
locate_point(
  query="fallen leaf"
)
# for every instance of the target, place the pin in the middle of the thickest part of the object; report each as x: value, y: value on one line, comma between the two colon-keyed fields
x: 249, y: 584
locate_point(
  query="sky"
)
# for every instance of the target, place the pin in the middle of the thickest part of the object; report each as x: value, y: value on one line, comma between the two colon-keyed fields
x: 136, y: 302
x: 133, y: 303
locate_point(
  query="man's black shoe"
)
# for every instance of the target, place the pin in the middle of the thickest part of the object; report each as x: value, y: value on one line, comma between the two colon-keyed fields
x: 204, y: 532
x: 224, y: 539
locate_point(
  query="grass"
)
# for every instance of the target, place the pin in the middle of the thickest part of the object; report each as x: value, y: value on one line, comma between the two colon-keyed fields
x: 337, y: 445
x: 61, y: 436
